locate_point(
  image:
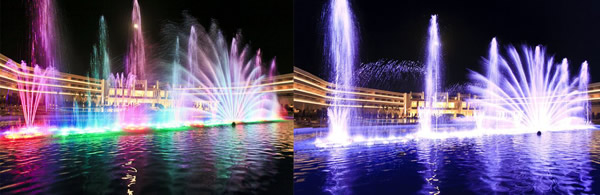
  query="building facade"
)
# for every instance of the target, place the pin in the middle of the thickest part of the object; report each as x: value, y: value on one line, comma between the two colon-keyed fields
x: 306, y: 93
x: 312, y: 94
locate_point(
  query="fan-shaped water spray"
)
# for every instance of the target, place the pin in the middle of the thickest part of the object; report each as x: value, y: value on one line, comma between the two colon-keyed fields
x: 225, y: 81
x: 31, y: 87
x: 526, y: 91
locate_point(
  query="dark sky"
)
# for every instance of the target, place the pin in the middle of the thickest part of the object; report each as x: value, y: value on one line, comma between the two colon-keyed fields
x: 397, y: 30
x: 265, y: 24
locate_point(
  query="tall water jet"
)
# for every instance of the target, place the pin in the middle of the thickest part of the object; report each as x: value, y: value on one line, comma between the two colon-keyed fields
x: 584, y: 79
x: 528, y: 92
x: 100, y: 60
x: 192, y: 57
x: 176, y: 106
x: 45, y: 50
x: 176, y: 65
x: 136, y: 59
x: 341, y: 47
x: 493, y: 74
x: 99, y: 69
x: 44, y: 47
x: 427, y: 118
x: 102, y: 57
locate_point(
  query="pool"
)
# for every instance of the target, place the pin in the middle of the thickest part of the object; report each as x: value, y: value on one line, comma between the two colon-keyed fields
x: 223, y: 159
x: 555, y: 162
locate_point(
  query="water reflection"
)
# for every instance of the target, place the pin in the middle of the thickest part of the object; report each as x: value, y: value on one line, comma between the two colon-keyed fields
x: 429, y: 158
x: 556, y: 162
x: 337, y: 180
x: 237, y: 159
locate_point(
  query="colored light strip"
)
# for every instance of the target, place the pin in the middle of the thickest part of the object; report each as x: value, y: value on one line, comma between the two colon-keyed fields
x: 331, y: 84
x: 47, y: 77
x: 49, y: 85
x: 35, y: 132
x: 350, y: 92
x: 48, y: 92
x: 269, y: 91
x: 241, y: 87
x: 325, y: 104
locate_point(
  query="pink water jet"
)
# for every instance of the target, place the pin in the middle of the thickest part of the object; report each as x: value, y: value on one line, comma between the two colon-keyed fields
x: 44, y: 50
x: 136, y: 58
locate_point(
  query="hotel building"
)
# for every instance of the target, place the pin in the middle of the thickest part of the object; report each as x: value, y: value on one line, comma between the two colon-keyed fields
x: 312, y: 94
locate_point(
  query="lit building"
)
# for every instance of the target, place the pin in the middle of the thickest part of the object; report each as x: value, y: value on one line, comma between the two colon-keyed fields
x: 594, y: 95
x: 303, y: 91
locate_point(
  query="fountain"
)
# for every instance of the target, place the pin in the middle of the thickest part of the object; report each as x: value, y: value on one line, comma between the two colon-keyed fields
x: 44, y: 50
x: 221, y: 84
x: 522, y: 93
x: 225, y: 79
x: 100, y: 59
x: 176, y: 106
x: 34, y: 85
x: 341, y: 46
x: 31, y: 88
x: 527, y: 92
x: 427, y: 116
x: 136, y: 59
x: 93, y: 110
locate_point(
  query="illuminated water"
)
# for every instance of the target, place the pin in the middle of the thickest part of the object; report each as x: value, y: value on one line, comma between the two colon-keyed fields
x: 135, y: 62
x: 100, y: 62
x: 225, y: 78
x: 342, y: 49
x: 214, y: 81
x: 29, y: 93
x: 527, y: 90
x: 427, y: 116
x: 207, y: 160
x: 556, y: 162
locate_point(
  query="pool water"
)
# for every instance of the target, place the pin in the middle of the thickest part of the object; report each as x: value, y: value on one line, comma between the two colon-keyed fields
x: 555, y: 162
x: 254, y: 158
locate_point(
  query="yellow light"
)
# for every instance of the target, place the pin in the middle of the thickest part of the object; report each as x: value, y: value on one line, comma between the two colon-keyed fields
x: 135, y: 26
x: 351, y: 92
x: 352, y: 99
x: 47, y: 77
x: 237, y: 87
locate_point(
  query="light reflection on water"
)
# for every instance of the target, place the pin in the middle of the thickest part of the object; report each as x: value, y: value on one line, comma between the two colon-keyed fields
x: 556, y: 162
x: 245, y: 158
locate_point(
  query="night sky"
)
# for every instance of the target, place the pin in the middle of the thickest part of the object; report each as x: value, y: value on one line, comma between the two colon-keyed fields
x: 265, y: 24
x: 398, y: 30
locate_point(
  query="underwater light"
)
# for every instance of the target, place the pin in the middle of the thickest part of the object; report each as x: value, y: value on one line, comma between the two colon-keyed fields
x: 36, y: 132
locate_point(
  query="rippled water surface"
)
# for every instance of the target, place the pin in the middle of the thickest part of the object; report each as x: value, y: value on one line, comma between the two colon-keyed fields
x: 255, y: 158
x: 556, y: 162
